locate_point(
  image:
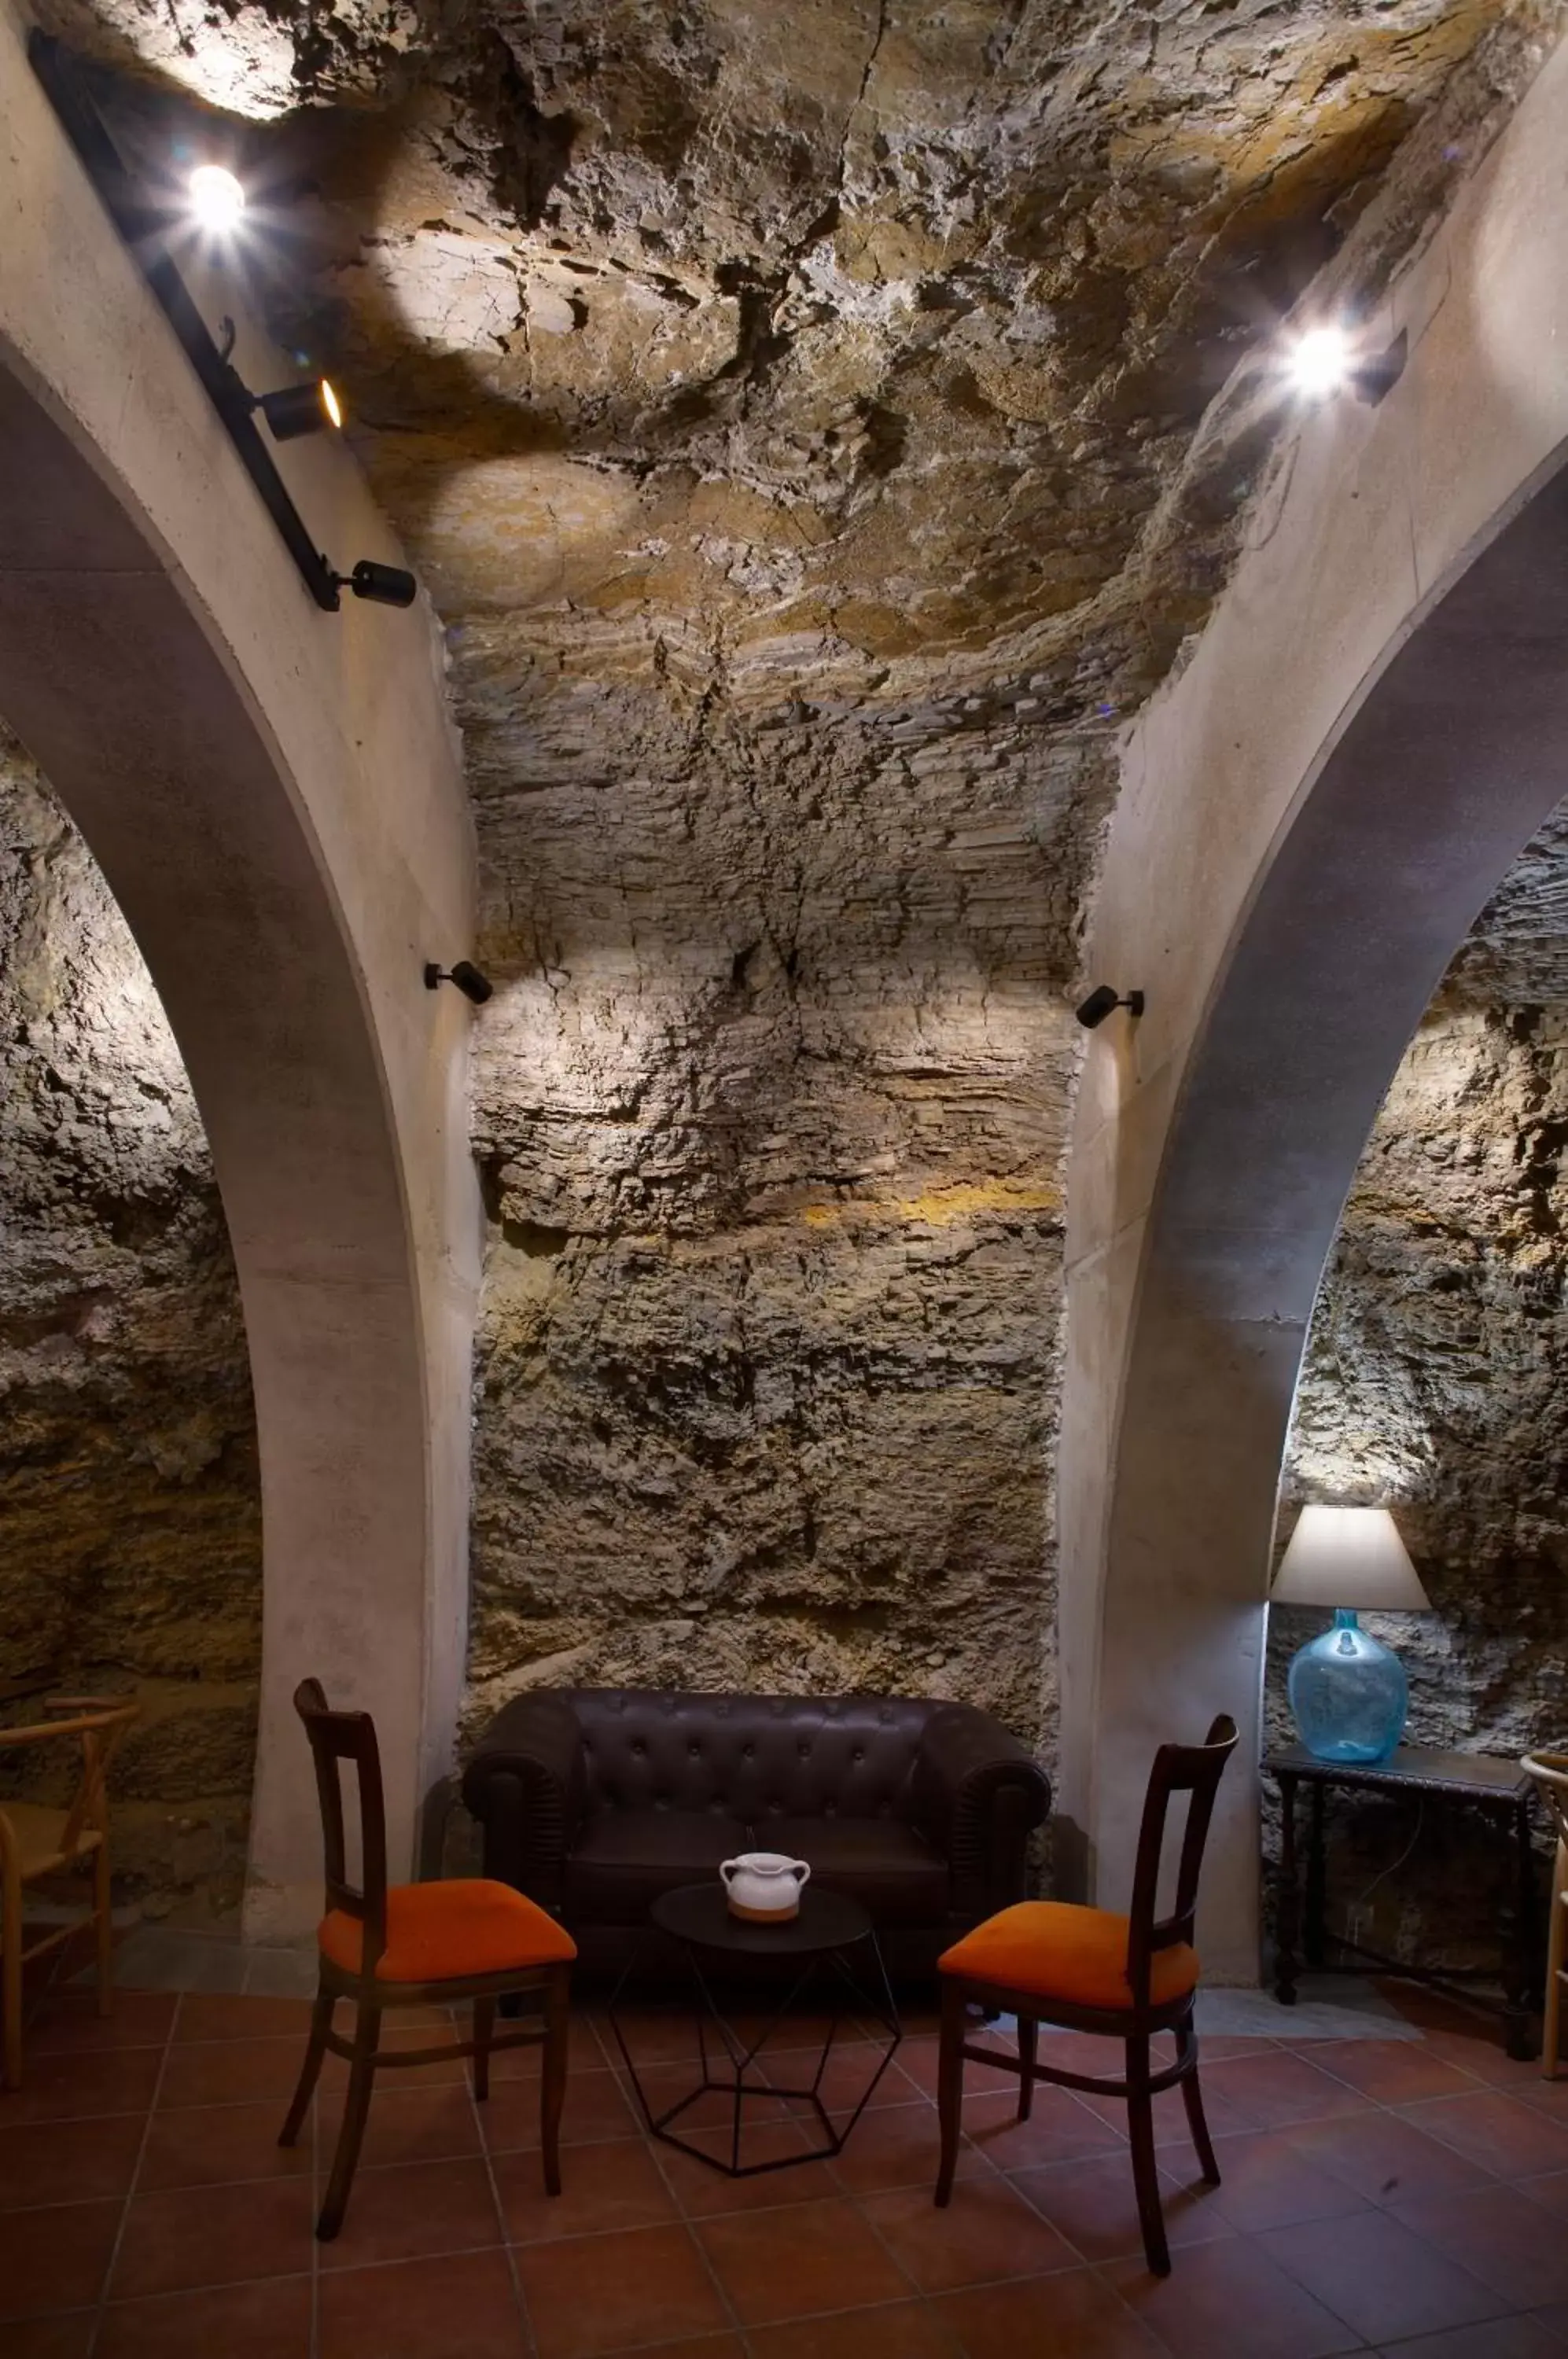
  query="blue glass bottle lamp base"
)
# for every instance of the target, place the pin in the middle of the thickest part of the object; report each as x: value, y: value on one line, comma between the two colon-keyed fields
x: 1349, y: 1694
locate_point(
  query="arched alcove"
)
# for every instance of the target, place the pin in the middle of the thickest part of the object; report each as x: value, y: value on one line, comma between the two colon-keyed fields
x: 1373, y: 724
x: 274, y: 800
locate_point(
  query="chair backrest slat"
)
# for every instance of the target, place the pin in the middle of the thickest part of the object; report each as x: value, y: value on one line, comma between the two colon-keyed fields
x: 336, y: 1738
x: 100, y: 1723
x: 1195, y: 1770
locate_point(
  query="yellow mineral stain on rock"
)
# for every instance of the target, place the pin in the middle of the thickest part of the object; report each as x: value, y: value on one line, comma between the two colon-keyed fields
x: 940, y: 1207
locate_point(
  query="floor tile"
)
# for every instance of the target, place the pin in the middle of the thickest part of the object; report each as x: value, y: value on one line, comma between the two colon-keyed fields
x: 1171, y: 2125
x: 1380, y: 2278
x: 1500, y: 2338
x: 212, y: 2236
x: 806, y: 2257
x: 908, y: 2330
x: 702, y: 2191
x: 1278, y: 2088
x: 463, y: 2306
x: 1094, y: 2205
x: 1515, y: 2246
x: 1058, y: 2129
x: 417, y: 2207
x: 1231, y: 2296
x: 215, y: 2015
x: 590, y: 2295
x: 213, y: 2146
x: 448, y: 2071
x: 1073, y: 2315
x: 78, y: 2086
x: 897, y: 2146
x: 987, y: 2231
x: 68, y: 2337
x: 1390, y: 2072
x: 596, y: 2107
x: 423, y: 2124
x: 1267, y: 2181
x: 61, y: 2267
x: 850, y: 2071
x: 1386, y: 2158
x: 267, y: 2318
x: 1550, y: 2190
x: 917, y: 2061
x: 613, y: 2185
x: 68, y: 2162
x: 584, y: 2051
x: 1496, y: 2131
x: 70, y: 2020
x: 232, y: 2072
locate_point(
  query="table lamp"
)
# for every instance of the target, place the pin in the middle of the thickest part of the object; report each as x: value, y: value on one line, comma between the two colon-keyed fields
x: 1349, y: 1694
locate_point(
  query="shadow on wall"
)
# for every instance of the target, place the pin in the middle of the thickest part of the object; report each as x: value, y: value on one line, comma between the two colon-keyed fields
x: 130, y: 1513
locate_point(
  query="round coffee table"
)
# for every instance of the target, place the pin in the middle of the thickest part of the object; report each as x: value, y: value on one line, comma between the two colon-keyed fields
x: 830, y: 1938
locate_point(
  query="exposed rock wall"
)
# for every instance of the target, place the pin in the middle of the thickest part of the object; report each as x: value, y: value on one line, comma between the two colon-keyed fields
x: 130, y: 1526
x: 1437, y: 1379
x: 772, y: 1103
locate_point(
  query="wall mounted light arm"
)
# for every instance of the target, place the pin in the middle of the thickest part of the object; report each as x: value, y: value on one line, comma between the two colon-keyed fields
x: 143, y: 228
x: 1092, y: 1011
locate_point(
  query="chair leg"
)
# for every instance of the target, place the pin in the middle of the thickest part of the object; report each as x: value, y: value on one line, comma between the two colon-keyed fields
x: 1193, y: 2098
x: 1145, y: 2175
x: 552, y: 2078
x: 1551, y: 2013
x: 357, y: 2111
x: 950, y: 2083
x: 11, y: 1983
x: 311, y: 2071
x: 1029, y: 2037
x: 484, y: 2024
x: 103, y: 1925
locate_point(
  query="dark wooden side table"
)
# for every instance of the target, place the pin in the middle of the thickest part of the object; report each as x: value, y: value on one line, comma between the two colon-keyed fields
x: 1479, y: 1780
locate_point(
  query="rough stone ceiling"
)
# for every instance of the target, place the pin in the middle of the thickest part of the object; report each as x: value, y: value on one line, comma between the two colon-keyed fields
x: 863, y: 339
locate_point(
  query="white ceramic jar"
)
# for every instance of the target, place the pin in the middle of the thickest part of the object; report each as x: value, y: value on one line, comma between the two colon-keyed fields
x: 764, y: 1886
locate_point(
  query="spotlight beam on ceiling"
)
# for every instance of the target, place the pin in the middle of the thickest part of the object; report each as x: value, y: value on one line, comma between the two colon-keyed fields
x: 144, y: 227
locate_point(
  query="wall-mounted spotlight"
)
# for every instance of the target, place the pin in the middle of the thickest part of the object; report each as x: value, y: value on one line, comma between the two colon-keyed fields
x: 384, y: 586
x: 1099, y: 1002
x: 1328, y: 360
x: 466, y: 974
x: 299, y: 410
x: 217, y: 200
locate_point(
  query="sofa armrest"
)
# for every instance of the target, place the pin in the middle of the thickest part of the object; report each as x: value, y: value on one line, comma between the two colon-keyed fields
x: 978, y: 1793
x: 525, y: 1784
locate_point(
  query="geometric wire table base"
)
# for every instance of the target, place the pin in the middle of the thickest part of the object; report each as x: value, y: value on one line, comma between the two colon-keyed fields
x: 825, y: 1948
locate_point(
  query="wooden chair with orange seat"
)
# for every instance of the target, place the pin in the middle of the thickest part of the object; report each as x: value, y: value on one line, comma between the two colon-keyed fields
x: 1127, y: 1978
x: 36, y: 1841
x: 416, y: 1945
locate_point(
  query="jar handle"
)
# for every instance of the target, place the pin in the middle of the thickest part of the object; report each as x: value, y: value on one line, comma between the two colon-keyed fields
x: 728, y: 1870
x: 801, y: 1872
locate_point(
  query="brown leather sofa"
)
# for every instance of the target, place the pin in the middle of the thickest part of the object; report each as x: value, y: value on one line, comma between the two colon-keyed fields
x: 593, y: 1801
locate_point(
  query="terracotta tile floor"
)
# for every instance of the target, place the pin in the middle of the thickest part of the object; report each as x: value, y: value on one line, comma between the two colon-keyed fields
x: 1379, y: 2196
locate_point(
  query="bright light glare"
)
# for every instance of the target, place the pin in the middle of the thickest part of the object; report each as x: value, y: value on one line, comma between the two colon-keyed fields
x: 1319, y: 361
x: 217, y: 198
x: 330, y: 401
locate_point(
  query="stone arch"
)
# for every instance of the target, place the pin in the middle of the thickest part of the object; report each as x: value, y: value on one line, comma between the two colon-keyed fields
x: 274, y: 799
x: 1372, y: 725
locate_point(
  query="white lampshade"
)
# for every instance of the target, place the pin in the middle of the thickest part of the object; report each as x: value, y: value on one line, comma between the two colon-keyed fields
x: 1352, y: 1557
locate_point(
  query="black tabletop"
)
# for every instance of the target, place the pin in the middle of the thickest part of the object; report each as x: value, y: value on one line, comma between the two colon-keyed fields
x: 699, y: 1913
x: 1485, y: 1776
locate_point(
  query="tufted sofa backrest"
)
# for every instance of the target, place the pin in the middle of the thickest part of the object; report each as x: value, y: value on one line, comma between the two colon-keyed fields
x: 752, y: 1757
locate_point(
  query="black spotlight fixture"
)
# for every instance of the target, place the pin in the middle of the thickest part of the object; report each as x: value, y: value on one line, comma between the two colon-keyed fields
x: 299, y: 410
x: 384, y: 586
x: 466, y: 974
x: 1099, y: 1002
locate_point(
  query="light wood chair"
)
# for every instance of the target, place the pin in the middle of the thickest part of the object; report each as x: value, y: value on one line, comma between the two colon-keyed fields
x: 1127, y: 1978
x: 1549, y: 1771
x: 433, y: 1944
x: 36, y: 1840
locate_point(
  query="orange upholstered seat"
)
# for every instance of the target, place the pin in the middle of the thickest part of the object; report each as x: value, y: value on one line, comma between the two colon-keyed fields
x: 1057, y: 1950
x: 446, y: 1931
